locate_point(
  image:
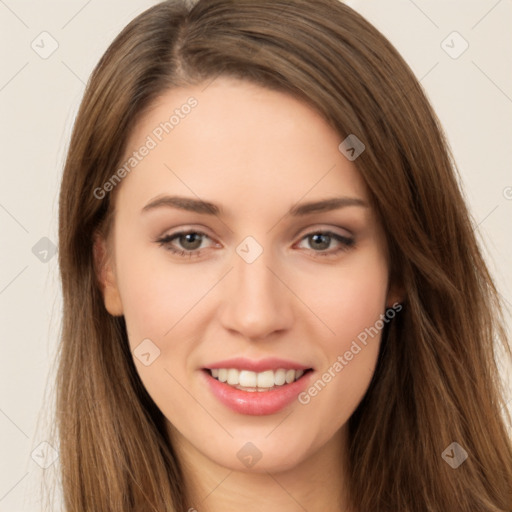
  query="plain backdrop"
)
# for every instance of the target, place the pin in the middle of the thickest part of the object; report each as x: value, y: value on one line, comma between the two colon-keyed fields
x: 470, y: 90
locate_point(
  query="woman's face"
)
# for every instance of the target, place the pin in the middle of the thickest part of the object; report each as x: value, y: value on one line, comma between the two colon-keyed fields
x: 261, y: 286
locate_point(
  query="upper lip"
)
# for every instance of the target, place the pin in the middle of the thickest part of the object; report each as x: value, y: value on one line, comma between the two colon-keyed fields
x: 270, y: 363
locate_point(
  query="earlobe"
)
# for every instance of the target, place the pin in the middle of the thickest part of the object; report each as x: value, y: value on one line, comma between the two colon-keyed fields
x: 106, y: 277
x: 396, y: 295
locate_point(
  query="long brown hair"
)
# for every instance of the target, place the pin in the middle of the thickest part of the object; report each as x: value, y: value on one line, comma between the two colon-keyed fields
x: 436, y: 380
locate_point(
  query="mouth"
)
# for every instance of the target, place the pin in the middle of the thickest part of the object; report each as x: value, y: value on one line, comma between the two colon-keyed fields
x: 250, y: 381
x: 256, y: 386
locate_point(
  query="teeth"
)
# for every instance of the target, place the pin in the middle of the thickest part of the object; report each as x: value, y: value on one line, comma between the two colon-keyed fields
x: 233, y: 377
x: 247, y: 379
x: 280, y: 377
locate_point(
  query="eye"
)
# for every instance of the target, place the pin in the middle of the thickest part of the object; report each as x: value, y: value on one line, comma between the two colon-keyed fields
x: 321, y: 240
x: 190, y: 241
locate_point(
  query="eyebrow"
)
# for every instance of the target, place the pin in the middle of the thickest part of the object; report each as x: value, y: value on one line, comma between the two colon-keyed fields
x: 207, y: 208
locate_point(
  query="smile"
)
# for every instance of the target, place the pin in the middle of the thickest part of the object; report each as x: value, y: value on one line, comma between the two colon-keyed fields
x: 256, y: 393
x: 250, y: 381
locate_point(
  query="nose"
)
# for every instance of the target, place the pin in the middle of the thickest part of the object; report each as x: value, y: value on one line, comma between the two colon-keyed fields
x: 257, y: 301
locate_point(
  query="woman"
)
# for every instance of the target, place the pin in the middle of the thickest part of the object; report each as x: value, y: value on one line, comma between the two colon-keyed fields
x: 334, y: 324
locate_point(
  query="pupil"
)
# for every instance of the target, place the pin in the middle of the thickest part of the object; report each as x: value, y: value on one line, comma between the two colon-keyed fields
x: 192, y: 236
x: 325, y: 244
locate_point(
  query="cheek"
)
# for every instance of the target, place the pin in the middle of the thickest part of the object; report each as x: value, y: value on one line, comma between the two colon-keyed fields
x: 351, y: 303
x: 141, y: 294
x: 160, y: 303
x: 155, y: 292
x: 362, y: 301
x: 348, y: 299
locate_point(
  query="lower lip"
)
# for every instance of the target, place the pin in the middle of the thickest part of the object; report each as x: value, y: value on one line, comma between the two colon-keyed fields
x: 257, y: 403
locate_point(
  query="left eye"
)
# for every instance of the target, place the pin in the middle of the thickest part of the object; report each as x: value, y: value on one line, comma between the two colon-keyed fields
x: 321, y: 239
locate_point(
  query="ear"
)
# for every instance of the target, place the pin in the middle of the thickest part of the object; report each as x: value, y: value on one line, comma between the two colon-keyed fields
x: 396, y: 295
x: 105, y: 275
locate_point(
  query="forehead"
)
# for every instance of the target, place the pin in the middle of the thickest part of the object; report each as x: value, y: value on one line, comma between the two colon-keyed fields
x: 238, y: 144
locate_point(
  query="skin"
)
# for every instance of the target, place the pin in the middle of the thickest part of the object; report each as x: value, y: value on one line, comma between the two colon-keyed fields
x: 256, y: 153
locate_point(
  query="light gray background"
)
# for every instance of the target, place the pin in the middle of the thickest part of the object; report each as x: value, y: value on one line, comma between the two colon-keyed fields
x: 472, y: 95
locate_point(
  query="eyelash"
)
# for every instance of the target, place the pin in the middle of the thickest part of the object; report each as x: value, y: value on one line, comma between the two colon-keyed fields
x: 165, y: 241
